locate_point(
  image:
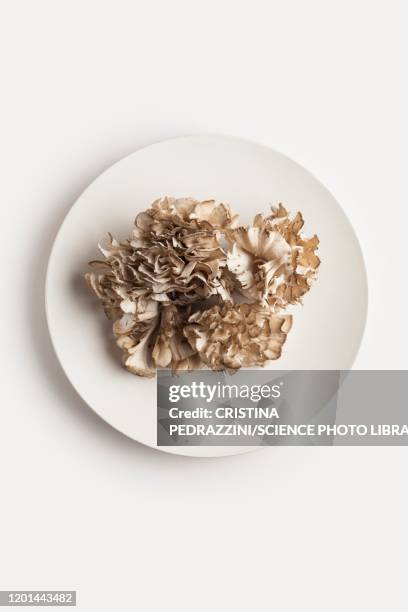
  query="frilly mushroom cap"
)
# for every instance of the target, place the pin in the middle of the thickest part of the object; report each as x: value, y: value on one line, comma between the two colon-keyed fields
x: 231, y: 337
x: 167, y: 214
x: 178, y: 242
x: 163, y: 286
x: 134, y: 331
x: 183, y: 264
x: 136, y: 358
x: 112, y: 279
x: 186, y: 269
x: 271, y: 261
x: 171, y: 348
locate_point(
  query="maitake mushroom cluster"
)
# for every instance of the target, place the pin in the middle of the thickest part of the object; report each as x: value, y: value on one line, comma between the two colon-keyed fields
x: 191, y: 288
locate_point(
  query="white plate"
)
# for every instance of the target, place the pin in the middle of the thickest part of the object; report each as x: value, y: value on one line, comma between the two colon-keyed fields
x: 327, y: 330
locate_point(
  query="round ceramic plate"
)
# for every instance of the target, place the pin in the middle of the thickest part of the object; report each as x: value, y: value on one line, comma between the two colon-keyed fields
x: 327, y: 329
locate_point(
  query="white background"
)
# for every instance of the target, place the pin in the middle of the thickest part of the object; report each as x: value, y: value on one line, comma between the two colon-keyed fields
x: 82, y: 507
